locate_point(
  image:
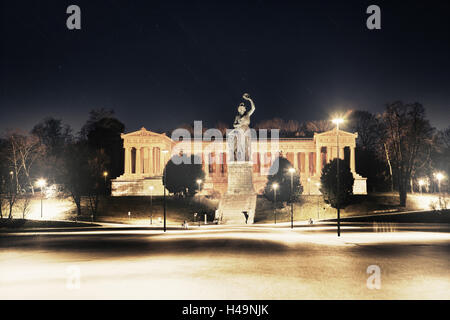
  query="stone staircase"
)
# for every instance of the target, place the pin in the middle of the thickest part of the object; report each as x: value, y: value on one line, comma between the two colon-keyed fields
x: 232, y: 206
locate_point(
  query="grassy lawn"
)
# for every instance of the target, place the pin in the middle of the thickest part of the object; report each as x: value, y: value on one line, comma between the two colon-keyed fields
x: 6, y: 224
x: 313, y: 207
x: 407, y: 217
x: 115, y: 209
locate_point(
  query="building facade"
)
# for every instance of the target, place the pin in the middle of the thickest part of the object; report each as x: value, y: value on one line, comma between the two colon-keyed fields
x: 147, y: 152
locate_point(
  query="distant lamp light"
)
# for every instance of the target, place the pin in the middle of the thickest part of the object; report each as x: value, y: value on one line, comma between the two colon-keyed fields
x: 151, y: 188
x: 275, y: 187
x: 105, y: 173
x: 41, y: 183
x: 199, y: 182
x: 439, y: 176
x: 421, y: 182
x: 337, y: 121
x: 291, y: 170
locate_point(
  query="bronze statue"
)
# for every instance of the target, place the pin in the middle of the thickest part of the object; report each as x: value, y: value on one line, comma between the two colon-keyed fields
x: 242, y: 119
x: 240, y: 137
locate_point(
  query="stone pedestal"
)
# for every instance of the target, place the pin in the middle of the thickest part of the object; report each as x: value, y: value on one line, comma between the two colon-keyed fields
x: 360, y: 184
x: 238, y: 204
x: 124, y: 186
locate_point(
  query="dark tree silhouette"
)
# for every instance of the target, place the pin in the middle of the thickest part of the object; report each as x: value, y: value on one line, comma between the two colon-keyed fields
x: 370, y: 154
x: 75, y: 175
x: 54, y: 136
x: 328, y: 181
x: 102, y: 131
x: 182, y: 174
x: 283, y: 178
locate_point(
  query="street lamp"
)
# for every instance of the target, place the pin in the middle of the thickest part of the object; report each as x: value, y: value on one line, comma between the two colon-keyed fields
x: 338, y: 121
x: 318, y: 201
x: 421, y: 183
x: 439, y: 176
x: 291, y: 171
x: 105, y: 175
x: 41, y: 183
x: 151, y: 204
x: 199, y: 182
x: 275, y: 187
x: 164, y: 185
x: 11, y: 175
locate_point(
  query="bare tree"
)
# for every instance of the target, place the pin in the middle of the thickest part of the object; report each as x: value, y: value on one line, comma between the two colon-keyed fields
x: 11, y: 194
x: 23, y: 203
x: 407, y: 134
x: 365, y: 123
x: 24, y: 150
x: 97, y: 162
x: 319, y: 126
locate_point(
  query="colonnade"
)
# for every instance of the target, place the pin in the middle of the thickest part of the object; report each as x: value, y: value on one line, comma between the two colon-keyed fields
x: 148, y: 161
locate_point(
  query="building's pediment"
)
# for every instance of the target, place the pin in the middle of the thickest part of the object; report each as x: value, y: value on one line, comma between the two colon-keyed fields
x: 332, y: 133
x: 144, y: 133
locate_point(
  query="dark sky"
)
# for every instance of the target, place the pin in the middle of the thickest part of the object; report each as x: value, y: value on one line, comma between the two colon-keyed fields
x: 161, y: 64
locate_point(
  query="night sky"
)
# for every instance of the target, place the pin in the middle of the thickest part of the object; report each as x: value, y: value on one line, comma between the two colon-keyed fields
x: 162, y: 64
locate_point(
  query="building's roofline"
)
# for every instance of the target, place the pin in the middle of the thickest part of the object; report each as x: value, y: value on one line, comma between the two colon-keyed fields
x: 145, y: 132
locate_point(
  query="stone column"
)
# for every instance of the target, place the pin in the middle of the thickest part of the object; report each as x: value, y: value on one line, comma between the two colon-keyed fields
x: 318, y: 161
x: 296, y: 163
x: 157, y: 151
x: 352, y: 159
x: 307, y: 164
x: 150, y: 161
x: 138, y: 161
x: 162, y: 162
x: 329, y: 153
x: 127, y: 165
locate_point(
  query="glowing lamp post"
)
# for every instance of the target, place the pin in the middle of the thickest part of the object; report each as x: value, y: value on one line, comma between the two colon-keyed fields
x: 439, y: 177
x: 105, y: 175
x: 291, y: 171
x: 199, y: 182
x: 275, y: 187
x: 41, y: 183
x: 318, y: 201
x: 338, y: 121
x: 421, y: 183
x: 164, y: 185
x: 151, y: 203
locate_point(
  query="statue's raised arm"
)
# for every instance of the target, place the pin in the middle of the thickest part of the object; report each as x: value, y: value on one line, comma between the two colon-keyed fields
x: 246, y: 96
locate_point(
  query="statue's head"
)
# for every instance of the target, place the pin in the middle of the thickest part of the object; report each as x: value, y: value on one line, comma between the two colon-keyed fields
x: 241, y: 108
